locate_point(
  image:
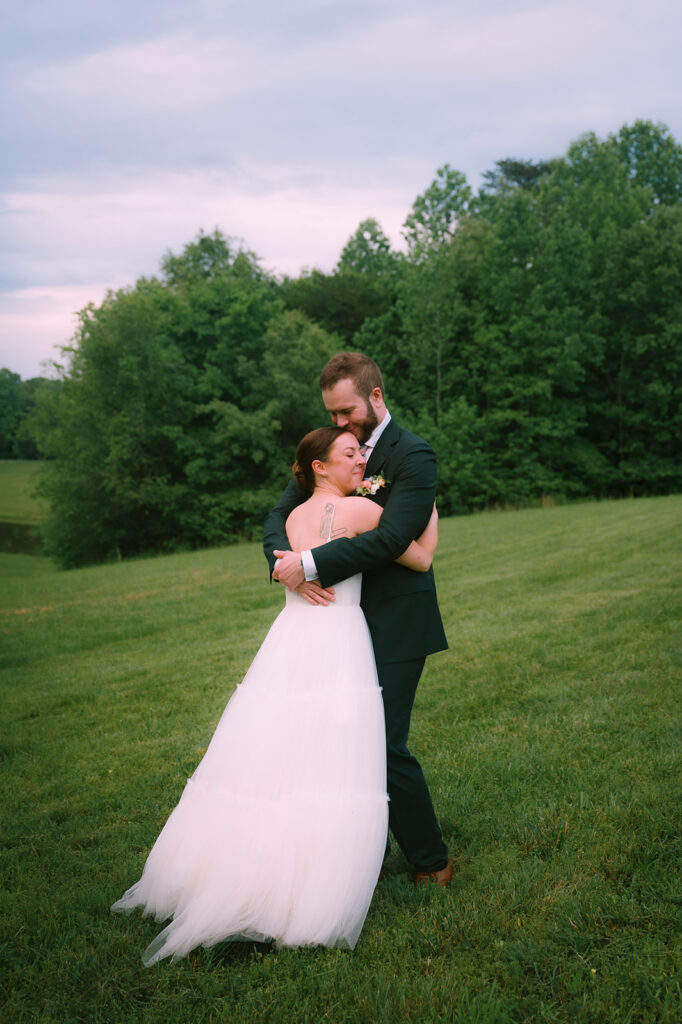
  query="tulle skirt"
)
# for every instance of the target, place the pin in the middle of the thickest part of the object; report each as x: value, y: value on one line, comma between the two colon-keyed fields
x: 280, y: 833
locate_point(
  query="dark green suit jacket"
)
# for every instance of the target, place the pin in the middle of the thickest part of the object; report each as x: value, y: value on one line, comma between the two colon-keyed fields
x: 400, y: 605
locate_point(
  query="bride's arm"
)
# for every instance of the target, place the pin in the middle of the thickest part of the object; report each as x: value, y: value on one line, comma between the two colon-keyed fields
x: 355, y: 515
x: 420, y: 553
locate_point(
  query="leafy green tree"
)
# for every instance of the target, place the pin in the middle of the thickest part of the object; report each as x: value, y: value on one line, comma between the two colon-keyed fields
x: 245, y: 457
x: 296, y: 349
x: 180, y: 405
x: 435, y: 214
x: 383, y: 339
x: 219, y: 302
x: 209, y: 257
x: 24, y: 444
x: 640, y: 408
x: 596, y: 207
x: 338, y: 302
x: 17, y: 401
x: 511, y: 173
x: 532, y: 334
x: 10, y: 411
x: 369, y: 252
x: 652, y: 158
x: 465, y: 480
x: 114, y: 477
x: 429, y: 305
x: 551, y: 312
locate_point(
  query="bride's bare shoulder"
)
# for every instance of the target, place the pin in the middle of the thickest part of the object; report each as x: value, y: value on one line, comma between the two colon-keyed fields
x: 296, y: 513
x: 361, y: 512
x: 353, y: 501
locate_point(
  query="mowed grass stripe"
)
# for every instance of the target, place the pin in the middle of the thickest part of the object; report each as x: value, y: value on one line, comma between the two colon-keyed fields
x: 550, y: 733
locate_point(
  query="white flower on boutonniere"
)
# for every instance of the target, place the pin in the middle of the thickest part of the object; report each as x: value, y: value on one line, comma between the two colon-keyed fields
x: 370, y: 485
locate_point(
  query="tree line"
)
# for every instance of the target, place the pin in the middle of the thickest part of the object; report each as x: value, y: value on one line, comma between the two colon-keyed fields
x: 532, y: 332
x: 17, y: 401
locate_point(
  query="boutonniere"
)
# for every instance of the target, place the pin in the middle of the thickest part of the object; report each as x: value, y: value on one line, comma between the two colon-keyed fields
x: 371, y: 484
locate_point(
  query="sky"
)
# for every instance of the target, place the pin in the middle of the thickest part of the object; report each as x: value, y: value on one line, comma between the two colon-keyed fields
x: 127, y: 126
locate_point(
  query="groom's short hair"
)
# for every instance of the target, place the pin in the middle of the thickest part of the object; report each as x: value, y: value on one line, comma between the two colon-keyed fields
x: 362, y: 370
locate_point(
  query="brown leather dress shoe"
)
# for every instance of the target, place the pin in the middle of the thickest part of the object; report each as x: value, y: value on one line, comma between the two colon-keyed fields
x: 442, y: 877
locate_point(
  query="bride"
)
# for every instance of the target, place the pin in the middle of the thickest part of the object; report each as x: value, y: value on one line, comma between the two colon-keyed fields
x: 281, y: 831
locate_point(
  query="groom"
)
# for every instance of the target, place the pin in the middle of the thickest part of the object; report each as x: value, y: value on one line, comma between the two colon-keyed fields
x: 400, y: 605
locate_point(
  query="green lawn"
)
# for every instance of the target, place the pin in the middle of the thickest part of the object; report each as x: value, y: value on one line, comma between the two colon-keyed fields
x: 17, y: 480
x: 550, y: 733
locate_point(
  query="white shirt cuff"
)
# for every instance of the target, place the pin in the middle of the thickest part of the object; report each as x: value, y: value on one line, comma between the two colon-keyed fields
x: 308, y: 563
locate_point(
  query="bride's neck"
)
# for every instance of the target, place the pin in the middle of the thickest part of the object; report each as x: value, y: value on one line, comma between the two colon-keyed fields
x: 325, y: 489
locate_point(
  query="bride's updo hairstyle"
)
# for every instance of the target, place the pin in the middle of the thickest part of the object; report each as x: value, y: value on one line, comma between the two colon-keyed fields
x: 315, y: 445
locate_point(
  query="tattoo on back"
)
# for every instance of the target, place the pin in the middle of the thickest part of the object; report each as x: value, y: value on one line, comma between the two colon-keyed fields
x: 327, y: 532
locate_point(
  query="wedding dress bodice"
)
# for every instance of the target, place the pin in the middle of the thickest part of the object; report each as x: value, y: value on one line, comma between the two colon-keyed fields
x: 346, y: 593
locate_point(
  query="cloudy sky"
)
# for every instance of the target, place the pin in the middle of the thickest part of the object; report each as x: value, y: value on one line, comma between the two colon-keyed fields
x: 128, y: 125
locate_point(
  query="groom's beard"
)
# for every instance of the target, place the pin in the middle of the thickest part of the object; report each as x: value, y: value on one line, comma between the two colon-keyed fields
x: 367, y: 425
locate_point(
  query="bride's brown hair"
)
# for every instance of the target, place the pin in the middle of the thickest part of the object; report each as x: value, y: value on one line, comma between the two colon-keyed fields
x: 315, y: 445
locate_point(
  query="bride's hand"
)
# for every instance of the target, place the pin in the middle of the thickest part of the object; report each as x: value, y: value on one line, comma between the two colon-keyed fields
x: 314, y: 593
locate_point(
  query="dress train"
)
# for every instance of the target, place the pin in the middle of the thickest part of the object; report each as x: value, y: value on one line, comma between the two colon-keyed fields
x: 281, y: 831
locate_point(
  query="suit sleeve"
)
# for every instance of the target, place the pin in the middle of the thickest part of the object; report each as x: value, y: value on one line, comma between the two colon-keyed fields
x: 407, y: 511
x: 274, y: 528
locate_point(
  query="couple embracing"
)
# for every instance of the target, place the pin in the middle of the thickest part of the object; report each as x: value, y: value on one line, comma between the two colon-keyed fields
x: 281, y: 832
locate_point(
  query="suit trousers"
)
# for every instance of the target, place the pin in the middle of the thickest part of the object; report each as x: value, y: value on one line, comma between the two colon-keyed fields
x: 411, y: 817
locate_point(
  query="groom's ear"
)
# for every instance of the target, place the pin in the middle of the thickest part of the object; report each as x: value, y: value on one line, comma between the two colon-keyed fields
x: 376, y: 397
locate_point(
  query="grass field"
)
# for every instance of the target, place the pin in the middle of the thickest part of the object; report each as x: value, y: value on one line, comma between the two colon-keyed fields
x: 17, y: 480
x: 550, y: 733
x: 20, y: 511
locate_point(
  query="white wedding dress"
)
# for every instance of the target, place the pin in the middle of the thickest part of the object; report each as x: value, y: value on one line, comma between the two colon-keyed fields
x: 280, y: 833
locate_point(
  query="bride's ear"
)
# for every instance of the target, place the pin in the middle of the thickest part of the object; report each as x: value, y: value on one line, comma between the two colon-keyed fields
x: 318, y: 467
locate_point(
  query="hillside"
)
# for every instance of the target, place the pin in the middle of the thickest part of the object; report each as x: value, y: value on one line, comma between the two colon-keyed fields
x: 550, y: 734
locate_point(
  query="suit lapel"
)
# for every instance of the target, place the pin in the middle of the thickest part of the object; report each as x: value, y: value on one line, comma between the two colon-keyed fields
x: 385, y: 442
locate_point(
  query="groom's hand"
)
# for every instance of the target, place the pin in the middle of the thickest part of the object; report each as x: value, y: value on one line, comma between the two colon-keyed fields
x: 288, y: 569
